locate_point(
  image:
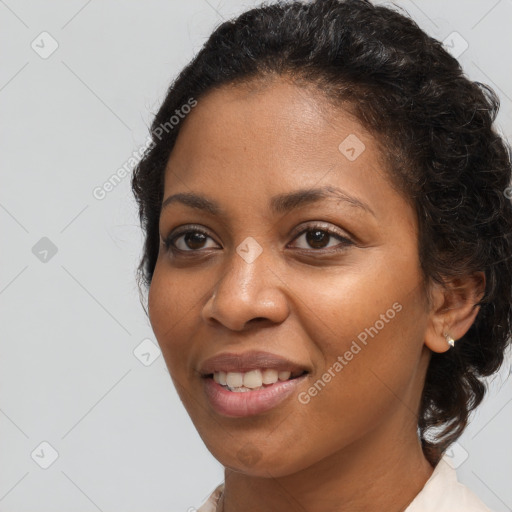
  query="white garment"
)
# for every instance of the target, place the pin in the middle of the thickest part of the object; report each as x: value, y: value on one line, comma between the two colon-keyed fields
x: 442, y: 492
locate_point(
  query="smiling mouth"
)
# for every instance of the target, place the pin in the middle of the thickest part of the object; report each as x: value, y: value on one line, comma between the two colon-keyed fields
x: 253, y: 380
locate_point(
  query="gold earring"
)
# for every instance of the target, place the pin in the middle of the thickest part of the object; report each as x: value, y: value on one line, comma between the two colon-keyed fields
x: 449, y: 340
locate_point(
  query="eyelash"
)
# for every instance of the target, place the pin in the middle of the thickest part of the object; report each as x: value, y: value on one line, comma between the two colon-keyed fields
x: 344, y: 241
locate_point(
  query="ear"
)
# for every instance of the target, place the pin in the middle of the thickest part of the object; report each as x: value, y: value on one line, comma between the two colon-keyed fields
x: 453, y: 309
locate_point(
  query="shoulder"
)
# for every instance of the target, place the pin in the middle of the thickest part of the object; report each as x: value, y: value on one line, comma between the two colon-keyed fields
x: 444, y: 493
x: 210, y: 505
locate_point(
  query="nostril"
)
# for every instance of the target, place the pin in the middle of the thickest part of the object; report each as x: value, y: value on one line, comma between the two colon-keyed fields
x: 258, y: 320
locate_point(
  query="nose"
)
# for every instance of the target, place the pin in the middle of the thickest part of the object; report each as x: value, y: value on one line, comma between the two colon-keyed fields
x: 248, y: 292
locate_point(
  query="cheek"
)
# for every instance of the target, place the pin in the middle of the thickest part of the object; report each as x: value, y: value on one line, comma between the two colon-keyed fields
x: 338, y: 307
x: 367, y: 331
x: 160, y: 305
x: 170, y: 303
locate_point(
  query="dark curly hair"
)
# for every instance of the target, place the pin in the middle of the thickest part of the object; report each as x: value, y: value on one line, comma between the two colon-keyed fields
x: 435, y: 129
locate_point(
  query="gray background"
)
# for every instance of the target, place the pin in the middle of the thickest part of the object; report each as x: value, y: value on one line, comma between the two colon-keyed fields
x: 72, y: 320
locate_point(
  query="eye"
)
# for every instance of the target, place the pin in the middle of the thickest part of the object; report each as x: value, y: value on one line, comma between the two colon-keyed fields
x: 315, y: 238
x: 320, y: 237
x: 189, y: 240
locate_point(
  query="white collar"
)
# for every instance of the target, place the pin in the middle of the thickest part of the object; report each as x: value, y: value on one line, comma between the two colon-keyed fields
x: 443, y: 492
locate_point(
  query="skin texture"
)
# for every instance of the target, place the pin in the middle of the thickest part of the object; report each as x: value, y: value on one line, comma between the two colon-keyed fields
x: 354, y: 445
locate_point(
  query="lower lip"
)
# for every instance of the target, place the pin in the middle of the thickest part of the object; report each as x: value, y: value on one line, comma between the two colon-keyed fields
x: 249, y: 403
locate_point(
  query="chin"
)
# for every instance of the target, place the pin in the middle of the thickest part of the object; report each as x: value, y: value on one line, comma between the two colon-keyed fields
x: 250, y: 460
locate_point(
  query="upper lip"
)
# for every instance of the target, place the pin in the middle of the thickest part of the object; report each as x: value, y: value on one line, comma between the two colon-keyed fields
x: 246, y: 361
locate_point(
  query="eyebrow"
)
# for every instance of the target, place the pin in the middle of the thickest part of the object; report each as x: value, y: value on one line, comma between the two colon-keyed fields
x: 279, y: 204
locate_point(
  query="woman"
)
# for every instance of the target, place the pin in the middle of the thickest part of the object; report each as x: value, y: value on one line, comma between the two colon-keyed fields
x: 328, y: 257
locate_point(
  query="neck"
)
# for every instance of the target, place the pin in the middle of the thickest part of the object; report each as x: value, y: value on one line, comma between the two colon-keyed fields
x: 383, y: 470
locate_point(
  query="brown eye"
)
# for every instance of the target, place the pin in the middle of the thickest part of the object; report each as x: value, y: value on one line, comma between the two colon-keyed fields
x: 194, y: 239
x: 318, y: 239
x: 191, y: 240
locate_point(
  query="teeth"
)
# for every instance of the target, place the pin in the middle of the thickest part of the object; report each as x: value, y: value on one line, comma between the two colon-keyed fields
x: 270, y: 376
x: 220, y: 378
x: 253, y: 379
x: 234, y: 379
x: 284, y: 375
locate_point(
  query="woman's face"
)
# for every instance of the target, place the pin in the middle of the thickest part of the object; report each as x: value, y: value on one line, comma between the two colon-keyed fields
x: 296, y: 246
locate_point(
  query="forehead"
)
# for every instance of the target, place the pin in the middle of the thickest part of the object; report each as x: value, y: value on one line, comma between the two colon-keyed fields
x: 268, y: 137
x: 275, y: 118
